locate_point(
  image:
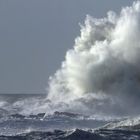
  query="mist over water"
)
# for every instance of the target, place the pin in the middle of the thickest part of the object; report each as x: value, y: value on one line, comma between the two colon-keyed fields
x: 101, y: 73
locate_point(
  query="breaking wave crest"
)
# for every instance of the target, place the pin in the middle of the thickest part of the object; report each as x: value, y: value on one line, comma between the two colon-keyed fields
x: 101, y: 73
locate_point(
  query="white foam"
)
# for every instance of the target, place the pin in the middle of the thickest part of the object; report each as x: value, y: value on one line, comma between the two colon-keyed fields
x: 101, y: 73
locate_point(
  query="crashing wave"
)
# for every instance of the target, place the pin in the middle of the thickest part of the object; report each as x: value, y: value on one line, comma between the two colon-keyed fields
x: 132, y: 123
x: 101, y: 73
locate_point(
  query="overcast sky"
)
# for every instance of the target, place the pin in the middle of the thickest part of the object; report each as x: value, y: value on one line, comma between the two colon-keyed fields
x: 35, y: 34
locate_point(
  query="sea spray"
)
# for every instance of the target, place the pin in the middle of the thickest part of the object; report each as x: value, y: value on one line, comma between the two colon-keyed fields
x: 101, y: 73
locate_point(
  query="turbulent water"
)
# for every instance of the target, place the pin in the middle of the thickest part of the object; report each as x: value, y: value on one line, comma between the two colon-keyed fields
x: 94, y: 95
x: 18, y: 124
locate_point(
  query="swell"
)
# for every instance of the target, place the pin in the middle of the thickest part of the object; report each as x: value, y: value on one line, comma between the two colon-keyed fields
x: 78, y: 135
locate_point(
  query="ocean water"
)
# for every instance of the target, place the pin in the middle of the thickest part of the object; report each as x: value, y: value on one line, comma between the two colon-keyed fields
x: 95, y: 95
x: 15, y: 125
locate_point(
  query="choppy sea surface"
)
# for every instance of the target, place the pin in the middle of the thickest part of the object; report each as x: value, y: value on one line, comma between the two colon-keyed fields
x: 62, y: 125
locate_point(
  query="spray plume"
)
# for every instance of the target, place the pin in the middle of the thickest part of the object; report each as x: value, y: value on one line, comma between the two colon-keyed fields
x: 101, y: 73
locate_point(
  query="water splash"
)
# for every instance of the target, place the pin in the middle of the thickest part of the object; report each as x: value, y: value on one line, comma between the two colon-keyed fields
x: 101, y: 73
